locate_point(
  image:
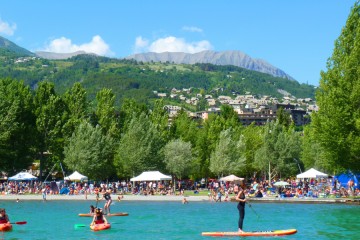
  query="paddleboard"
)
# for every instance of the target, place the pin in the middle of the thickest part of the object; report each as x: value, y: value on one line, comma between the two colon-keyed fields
x: 248, y: 234
x: 100, y: 227
x: 120, y: 214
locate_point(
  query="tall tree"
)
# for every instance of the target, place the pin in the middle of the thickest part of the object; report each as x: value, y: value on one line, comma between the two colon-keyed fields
x: 77, y: 106
x: 139, y: 148
x: 178, y: 157
x: 51, y: 115
x: 312, y: 154
x: 337, y: 123
x: 230, y: 117
x: 90, y: 152
x: 225, y: 159
x: 184, y: 127
x: 130, y: 107
x: 283, y: 117
x: 105, y: 112
x: 17, y: 126
x: 250, y: 141
x: 278, y: 150
x: 159, y: 117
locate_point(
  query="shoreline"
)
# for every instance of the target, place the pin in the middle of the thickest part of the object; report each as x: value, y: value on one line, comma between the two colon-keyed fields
x: 38, y: 197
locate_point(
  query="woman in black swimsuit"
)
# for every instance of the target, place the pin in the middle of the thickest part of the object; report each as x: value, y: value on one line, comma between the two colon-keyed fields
x: 241, y: 207
x: 108, y: 200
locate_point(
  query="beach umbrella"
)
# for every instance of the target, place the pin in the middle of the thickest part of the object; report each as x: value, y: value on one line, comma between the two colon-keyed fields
x: 281, y: 184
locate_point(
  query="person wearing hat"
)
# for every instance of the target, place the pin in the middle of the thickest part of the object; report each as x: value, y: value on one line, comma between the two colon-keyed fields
x: 99, y: 217
x: 240, y: 197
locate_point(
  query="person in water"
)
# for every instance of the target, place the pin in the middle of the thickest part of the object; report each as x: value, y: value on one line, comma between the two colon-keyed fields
x: 92, y: 209
x: 3, y: 216
x: 108, y: 202
x: 99, y: 218
x: 240, y: 197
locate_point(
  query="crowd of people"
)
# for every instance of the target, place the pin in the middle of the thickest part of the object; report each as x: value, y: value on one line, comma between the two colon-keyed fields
x: 217, y: 190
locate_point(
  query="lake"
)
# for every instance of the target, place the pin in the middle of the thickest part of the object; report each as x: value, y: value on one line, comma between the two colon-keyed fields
x: 173, y: 220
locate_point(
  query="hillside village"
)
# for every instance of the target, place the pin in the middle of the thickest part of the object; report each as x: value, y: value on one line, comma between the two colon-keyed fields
x: 248, y: 107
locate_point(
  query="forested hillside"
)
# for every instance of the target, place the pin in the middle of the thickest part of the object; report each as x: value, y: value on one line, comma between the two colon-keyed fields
x: 130, y: 79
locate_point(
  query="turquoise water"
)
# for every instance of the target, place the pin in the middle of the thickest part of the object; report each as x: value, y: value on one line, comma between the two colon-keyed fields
x: 173, y: 220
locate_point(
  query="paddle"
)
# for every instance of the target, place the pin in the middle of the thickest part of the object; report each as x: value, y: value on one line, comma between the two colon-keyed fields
x: 79, y: 225
x: 253, y: 209
x: 19, y: 223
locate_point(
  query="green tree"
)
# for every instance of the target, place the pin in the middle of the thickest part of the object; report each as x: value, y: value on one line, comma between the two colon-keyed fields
x: 159, y: 117
x: 129, y: 107
x: 50, y: 112
x: 230, y: 117
x: 90, y: 152
x: 250, y: 141
x: 77, y: 106
x: 337, y: 124
x: 225, y: 159
x: 184, y: 127
x: 105, y: 112
x: 283, y: 117
x: 17, y: 126
x: 278, y: 150
x: 312, y: 154
x: 178, y: 157
x: 139, y: 148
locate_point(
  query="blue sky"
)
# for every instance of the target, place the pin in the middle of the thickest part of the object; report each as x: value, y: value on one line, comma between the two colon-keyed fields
x: 296, y: 36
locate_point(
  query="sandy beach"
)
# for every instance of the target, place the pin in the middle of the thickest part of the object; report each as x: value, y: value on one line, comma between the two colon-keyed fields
x: 35, y: 197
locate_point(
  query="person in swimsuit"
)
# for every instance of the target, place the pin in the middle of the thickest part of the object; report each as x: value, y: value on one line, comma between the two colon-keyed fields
x: 241, y: 207
x: 3, y: 216
x: 108, y: 202
x: 99, y: 218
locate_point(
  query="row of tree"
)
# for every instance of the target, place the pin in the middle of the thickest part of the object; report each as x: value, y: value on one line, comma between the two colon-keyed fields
x: 105, y: 141
x: 111, y: 142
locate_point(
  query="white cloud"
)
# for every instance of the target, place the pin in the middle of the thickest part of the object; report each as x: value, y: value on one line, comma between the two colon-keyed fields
x: 7, y: 28
x: 192, y: 29
x: 141, y: 44
x: 171, y: 44
x: 65, y: 45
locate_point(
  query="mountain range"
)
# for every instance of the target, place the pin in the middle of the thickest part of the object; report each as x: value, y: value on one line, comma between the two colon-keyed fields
x: 234, y: 58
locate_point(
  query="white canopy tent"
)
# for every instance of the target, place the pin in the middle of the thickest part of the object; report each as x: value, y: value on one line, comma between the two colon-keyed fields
x: 281, y: 184
x: 231, y: 178
x: 150, y: 176
x: 312, y: 173
x: 76, y: 176
x: 22, y: 176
